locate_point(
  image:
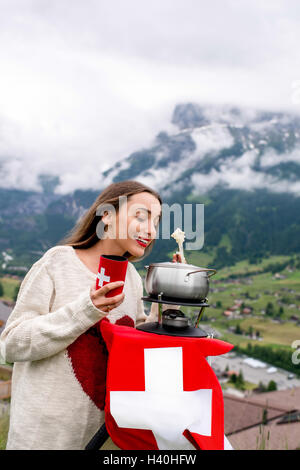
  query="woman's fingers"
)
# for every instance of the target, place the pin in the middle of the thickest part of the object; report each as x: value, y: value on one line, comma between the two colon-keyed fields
x: 107, y: 303
x: 107, y: 300
x: 110, y: 286
x: 108, y: 308
x: 115, y: 304
x: 177, y: 258
x: 116, y: 298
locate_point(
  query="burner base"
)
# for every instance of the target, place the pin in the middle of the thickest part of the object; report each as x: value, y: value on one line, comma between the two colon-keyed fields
x: 155, y: 327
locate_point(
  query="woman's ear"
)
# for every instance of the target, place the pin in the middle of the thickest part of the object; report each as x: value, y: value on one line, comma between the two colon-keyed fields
x: 107, y: 218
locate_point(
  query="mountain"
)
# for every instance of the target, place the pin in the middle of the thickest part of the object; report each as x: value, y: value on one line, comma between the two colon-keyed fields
x: 243, y: 164
x: 227, y: 146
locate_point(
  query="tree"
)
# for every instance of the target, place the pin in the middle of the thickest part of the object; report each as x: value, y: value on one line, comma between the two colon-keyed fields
x: 240, y: 382
x: 238, y: 330
x: 272, y: 386
x: 281, y: 311
x: 261, y: 387
x: 222, y: 258
x: 16, y: 291
x: 218, y: 304
x: 233, y: 378
x: 270, y: 309
x: 250, y: 331
x: 1, y: 290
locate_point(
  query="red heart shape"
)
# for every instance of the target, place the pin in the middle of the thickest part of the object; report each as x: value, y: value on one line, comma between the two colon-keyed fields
x: 88, y: 355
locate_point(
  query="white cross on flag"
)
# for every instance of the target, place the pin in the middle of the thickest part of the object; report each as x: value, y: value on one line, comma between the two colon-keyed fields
x: 161, y: 392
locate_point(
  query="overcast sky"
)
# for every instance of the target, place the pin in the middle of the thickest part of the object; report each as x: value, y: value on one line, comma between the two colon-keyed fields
x: 83, y: 83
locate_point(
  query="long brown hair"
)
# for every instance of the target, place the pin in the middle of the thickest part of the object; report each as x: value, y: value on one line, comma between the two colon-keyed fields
x: 84, y: 235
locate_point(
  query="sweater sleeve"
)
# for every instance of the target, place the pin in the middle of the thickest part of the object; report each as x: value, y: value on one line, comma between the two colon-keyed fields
x: 33, y: 331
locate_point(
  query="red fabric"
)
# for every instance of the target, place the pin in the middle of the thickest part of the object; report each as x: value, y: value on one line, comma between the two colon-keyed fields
x: 88, y: 355
x: 126, y: 373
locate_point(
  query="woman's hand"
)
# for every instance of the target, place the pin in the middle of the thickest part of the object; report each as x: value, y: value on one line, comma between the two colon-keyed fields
x: 106, y: 304
x: 177, y: 258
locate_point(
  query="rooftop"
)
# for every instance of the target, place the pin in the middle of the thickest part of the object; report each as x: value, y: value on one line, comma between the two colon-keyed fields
x: 244, y: 420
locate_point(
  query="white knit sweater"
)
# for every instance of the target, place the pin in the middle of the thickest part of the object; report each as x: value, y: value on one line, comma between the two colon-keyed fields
x: 52, y: 337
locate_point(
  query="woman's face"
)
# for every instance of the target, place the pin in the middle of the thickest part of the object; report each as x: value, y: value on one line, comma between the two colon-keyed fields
x: 136, y: 223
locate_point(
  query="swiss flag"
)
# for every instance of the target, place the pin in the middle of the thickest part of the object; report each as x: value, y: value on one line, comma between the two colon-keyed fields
x: 161, y: 392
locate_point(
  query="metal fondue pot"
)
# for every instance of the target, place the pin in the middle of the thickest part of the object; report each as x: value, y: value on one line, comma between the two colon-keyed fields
x: 178, y: 280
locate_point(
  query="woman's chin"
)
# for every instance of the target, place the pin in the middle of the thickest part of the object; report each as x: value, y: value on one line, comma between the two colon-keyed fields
x: 137, y: 251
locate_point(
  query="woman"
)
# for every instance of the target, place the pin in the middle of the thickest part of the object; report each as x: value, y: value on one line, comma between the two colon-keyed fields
x: 53, y: 337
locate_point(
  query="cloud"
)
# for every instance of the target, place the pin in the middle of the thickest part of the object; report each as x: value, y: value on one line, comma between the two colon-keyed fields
x: 83, y: 86
x: 239, y: 174
x: 271, y: 158
x: 211, y: 138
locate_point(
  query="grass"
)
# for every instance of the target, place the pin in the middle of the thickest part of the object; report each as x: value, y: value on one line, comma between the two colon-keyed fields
x: 273, y: 335
x: 280, y: 334
x: 9, y: 286
x: 4, y: 425
x: 243, y: 267
x: 263, y: 438
x: 293, y: 278
x: 247, y: 386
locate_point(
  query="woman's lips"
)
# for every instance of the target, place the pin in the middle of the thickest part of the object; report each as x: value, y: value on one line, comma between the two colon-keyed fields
x: 142, y: 243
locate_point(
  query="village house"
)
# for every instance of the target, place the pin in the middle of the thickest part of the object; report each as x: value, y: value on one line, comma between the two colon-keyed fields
x: 247, y: 310
x: 227, y: 313
x: 234, y: 308
x: 278, y: 276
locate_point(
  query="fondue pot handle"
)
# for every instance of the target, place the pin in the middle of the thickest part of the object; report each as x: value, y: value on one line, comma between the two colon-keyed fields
x: 201, y: 270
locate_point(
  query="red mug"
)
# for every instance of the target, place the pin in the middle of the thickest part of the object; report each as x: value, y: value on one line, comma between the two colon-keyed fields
x: 111, y: 268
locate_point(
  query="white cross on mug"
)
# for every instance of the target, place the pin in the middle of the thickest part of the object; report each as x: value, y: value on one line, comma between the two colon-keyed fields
x: 101, y: 276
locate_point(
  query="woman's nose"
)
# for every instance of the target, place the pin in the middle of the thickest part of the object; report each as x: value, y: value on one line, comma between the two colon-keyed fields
x: 149, y: 229
x: 152, y: 230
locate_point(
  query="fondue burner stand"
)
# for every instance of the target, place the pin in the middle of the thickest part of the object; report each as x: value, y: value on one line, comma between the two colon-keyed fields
x: 173, y: 322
